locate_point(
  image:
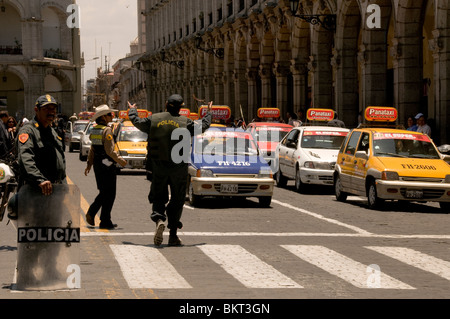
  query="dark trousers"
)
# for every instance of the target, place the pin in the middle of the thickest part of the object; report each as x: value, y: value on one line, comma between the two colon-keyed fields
x: 167, y: 175
x: 106, y: 178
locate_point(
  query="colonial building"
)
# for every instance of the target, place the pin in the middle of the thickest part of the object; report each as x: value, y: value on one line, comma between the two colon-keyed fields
x: 257, y: 53
x: 39, y: 54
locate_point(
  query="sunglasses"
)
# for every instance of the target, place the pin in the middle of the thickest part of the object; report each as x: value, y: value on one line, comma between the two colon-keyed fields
x: 109, y: 114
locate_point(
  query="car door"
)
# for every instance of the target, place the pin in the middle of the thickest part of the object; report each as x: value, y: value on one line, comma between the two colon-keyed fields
x: 359, y: 161
x: 292, y: 145
x: 284, y: 148
x: 348, y: 160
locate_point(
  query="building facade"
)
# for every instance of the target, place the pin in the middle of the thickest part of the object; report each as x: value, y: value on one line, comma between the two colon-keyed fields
x: 395, y: 53
x: 39, y: 54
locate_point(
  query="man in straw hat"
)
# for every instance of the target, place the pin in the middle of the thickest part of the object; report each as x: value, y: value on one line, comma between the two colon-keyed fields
x: 166, y: 172
x: 103, y: 157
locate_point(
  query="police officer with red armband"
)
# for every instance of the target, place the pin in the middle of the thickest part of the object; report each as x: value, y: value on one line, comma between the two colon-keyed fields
x: 103, y: 157
x: 166, y: 172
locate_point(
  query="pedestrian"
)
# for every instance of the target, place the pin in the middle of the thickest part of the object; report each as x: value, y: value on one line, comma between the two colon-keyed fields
x: 412, y: 126
x: 5, y: 142
x: 422, y: 126
x: 39, y: 149
x: 336, y: 121
x: 167, y: 173
x: 104, y: 158
x: 11, y: 126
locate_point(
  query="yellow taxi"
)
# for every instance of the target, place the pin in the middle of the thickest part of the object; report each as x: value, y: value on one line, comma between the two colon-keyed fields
x: 131, y: 143
x: 385, y: 163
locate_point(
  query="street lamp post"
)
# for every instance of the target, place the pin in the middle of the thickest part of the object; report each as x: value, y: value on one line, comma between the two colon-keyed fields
x: 218, y: 53
x: 327, y: 21
x: 178, y: 64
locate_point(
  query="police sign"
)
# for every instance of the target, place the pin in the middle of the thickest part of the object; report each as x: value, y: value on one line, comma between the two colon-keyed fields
x: 48, y: 235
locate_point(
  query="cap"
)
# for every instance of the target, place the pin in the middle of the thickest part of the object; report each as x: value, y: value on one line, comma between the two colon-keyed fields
x: 102, y: 110
x: 418, y: 116
x: 45, y: 100
x: 175, y: 100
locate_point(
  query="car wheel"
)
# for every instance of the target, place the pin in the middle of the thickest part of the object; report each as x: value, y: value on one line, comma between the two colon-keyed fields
x: 299, y: 186
x: 194, y: 200
x: 280, y: 179
x: 445, y: 206
x: 265, y: 201
x: 372, y: 198
x: 340, y: 195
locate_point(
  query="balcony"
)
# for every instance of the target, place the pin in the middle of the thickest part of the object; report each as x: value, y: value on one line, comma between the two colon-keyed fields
x: 12, y: 50
x: 56, y: 54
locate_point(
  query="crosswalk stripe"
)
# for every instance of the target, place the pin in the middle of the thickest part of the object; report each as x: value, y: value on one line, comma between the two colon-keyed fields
x: 247, y: 268
x: 146, y: 267
x: 345, y: 268
x: 417, y: 259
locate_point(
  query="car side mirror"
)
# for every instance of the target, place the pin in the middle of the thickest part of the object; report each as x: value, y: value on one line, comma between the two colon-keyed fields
x: 446, y: 158
x: 80, y: 132
x: 291, y: 144
x: 362, y: 154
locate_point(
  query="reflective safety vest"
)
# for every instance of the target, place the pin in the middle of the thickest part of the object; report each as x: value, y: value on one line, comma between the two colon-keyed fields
x: 96, y: 138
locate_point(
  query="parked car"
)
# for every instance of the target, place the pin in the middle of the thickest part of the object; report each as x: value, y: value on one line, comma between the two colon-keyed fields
x: 72, y: 135
x: 307, y: 155
x: 226, y: 162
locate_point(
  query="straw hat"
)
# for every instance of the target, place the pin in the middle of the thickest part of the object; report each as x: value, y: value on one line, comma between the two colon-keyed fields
x: 102, y: 110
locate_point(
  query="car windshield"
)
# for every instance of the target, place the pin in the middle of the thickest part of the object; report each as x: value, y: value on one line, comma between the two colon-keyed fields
x: 270, y: 134
x: 323, y: 139
x: 404, y: 145
x: 79, y: 127
x: 132, y: 134
x: 225, y: 143
x: 89, y: 129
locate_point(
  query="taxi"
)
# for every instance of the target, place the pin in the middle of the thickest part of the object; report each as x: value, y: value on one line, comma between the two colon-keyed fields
x: 268, y: 134
x: 384, y: 163
x: 307, y: 154
x: 131, y: 143
x: 226, y: 162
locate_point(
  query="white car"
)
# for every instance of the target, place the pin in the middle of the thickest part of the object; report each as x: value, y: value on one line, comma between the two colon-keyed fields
x: 85, y: 141
x: 72, y: 135
x: 307, y: 155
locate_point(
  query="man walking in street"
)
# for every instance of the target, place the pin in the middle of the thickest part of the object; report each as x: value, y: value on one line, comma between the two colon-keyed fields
x: 103, y: 157
x: 166, y: 172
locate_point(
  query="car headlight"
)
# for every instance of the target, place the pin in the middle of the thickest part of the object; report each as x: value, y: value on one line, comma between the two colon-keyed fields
x: 205, y: 173
x: 123, y: 153
x: 447, y: 178
x: 309, y: 164
x: 389, y: 176
x: 265, y: 173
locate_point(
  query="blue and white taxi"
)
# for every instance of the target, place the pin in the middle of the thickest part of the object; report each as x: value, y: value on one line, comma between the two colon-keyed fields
x: 226, y: 162
x: 308, y: 154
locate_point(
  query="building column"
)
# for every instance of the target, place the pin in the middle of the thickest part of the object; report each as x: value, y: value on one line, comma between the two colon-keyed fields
x: 251, y: 76
x: 281, y: 73
x: 265, y: 73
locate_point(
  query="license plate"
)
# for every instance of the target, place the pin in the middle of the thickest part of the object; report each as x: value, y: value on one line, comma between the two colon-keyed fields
x: 229, y: 188
x: 138, y: 163
x: 414, y: 194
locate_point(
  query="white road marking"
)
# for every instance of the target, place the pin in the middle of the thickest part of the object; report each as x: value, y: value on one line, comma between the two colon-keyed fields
x: 343, y: 267
x: 255, y: 234
x: 146, y: 267
x: 333, y: 221
x: 416, y: 259
x: 247, y: 268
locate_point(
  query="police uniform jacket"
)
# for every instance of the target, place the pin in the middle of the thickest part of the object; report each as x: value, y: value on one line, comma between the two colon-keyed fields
x: 159, y: 128
x: 102, y: 148
x: 40, y: 154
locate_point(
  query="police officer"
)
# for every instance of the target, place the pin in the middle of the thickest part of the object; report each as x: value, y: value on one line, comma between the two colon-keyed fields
x: 166, y: 172
x: 103, y: 157
x: 40, y: 149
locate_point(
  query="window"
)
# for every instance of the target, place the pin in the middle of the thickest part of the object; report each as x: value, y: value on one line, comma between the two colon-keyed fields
x: 230, y: 8
x: 210, y: 18
x: 219, y: 14
x: 241, y: 5
x: 352, y: 143
x: 254, y: 2
x: 194, y: 24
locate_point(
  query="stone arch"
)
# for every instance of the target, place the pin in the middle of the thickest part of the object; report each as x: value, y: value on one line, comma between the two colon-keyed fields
x: 267, y: 60
x: 13, y: 86
x: 345, y: 62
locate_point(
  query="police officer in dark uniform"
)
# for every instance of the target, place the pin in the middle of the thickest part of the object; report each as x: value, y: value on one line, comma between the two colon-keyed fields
x: 166, y: 172
x: 104, y: 158
x: 40, y: 149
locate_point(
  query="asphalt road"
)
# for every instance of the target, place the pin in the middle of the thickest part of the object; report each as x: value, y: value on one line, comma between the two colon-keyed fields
x: 305, y: 246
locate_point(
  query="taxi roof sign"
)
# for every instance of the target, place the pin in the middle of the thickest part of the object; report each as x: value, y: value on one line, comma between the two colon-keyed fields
x: 185, y: 112
x: 219, y: 112
x: 141, y: 113
x: 314, y: 114
x: 268, y: 112
x: 380, y: 114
